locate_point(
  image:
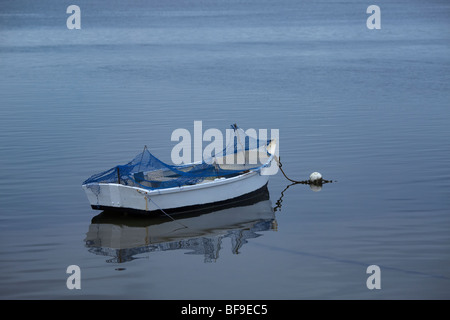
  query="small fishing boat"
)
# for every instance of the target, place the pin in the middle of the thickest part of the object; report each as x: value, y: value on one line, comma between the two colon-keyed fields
x: 148, y: 185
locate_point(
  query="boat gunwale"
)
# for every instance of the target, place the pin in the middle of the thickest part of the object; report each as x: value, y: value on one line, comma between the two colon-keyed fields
x: 216, y: 182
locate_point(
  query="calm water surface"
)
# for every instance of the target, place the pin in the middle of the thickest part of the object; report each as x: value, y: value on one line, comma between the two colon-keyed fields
x: 368, y: 108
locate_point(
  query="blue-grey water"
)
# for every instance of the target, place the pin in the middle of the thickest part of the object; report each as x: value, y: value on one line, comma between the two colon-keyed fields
x: 367, y: 108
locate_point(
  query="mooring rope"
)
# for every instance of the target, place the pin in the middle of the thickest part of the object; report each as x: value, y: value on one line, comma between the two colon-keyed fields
x: 148, y: 197
x: 278, y: 160
x: 161, y: 209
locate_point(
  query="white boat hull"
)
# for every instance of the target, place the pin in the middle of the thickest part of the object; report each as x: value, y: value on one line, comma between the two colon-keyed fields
x: 113, y: 196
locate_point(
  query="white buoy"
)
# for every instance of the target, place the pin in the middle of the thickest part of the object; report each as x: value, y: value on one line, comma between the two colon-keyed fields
x: 315, y: 178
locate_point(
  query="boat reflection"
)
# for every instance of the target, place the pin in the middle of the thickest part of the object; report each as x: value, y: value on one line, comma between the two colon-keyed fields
x: 123, y: 237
